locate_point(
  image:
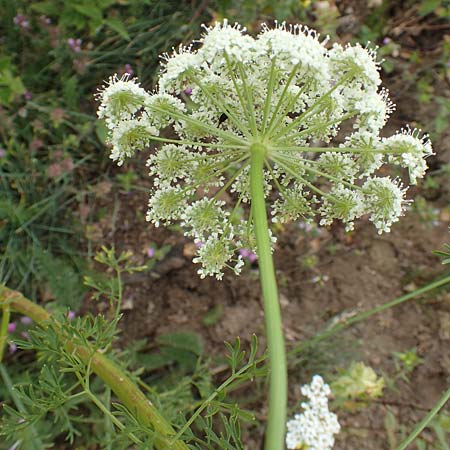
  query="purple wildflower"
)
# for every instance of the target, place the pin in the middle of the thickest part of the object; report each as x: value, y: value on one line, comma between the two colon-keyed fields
x: 27, y: 96
x: 129, y: 70
x: 150, y: 252
x: 12, y: 327
x: 71, y: 315
x: 46, y: 20
x: 252, y: 257
x: 12, y: 347
x: 25, y: 335
x: 188, y: 91
x: 74, y: 44
x: 21, y: 21
x: 305, y: 226
x: 26, y: 320
x: 248, y: 254
x: 244, y: 252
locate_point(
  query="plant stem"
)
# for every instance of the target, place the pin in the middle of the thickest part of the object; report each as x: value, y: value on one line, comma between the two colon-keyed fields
x: 275, y: 340
x: 111, y: 374
x: 425, y: 422
x: 4, y: 330
x: 208, y: 401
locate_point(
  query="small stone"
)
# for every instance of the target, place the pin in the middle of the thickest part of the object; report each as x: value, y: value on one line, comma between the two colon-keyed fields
x: 127, y: 304
x: 189, y: 250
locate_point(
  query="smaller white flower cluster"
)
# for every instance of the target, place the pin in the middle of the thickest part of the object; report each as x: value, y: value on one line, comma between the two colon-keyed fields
x: 409, y: 150
x: 315, y: 427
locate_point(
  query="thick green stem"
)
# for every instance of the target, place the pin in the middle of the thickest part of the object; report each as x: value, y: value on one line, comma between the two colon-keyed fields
x: 277, y: 354
x: 112, y: 375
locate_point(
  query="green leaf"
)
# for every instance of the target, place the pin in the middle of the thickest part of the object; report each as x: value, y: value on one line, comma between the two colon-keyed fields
x: 191, y: 342
x: 213, y: 315
x: 71, y: 92
x: 153, y: 362
x: 5, y: 62
x: 429, y: 6
x: 391, y: 426
x: 185, y: 359
x: 445, y: 254
x: 49, y: 8
x: 10, y: 86
x: 90, y: 11
x: 118, y: 26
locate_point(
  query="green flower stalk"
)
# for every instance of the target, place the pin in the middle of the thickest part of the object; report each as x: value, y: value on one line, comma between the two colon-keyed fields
x: 257, y: 119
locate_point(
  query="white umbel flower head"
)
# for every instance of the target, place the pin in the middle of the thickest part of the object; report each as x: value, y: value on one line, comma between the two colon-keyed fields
x: 409, y: 150
x: 282, y: 93
x: 314, y: 428
x: 120, y: 99
x: 176, y: 66
x: 356, y: 57
x: 385, y: 200
x: 128, y: 136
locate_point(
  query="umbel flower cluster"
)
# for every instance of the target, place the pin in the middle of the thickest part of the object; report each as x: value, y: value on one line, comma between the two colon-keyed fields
x: 290, y: 93
x: 315, y: 427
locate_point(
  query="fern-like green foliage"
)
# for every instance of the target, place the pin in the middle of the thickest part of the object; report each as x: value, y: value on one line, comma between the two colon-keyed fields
x: 52, y: 402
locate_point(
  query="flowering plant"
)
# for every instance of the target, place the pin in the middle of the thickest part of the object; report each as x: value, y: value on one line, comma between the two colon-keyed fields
x: 316, y: 426
x: 256, y: 115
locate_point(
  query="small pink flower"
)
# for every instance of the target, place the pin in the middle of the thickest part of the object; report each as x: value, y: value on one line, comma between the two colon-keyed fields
x: 252, y: 257
x: 74, y: 44
x: 305, y: 226
x: 25, y: 335
x: 248, y: 254
x: 129, y: 70
x: 12, y: 347
x: 21, y: 21
x: 36, y: 144
x: 188, y: 91
x: 244, y: 252
x: 45, y: 20
x: 54, y: 170
x: 12, y: 327
x: 27, y: 96
x: 150, y: 252
x: 26, y: 320
x: 57, y: 115
x: 67, y: 164
x: 71, y: 315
